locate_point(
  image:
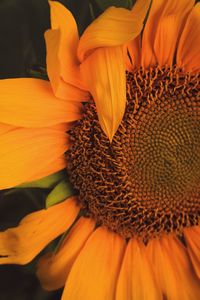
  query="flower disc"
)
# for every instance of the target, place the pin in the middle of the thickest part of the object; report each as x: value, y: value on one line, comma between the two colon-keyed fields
x: 147, y: 181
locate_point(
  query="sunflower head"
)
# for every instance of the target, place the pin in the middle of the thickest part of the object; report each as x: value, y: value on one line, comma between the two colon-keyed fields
x: 137, y: 184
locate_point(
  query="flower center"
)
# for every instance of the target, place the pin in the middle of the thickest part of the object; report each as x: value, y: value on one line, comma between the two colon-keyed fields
x: 147, y: 181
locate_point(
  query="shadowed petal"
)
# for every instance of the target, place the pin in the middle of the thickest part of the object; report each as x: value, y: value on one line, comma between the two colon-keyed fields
x: 53, y: 269
x: 19, y: 245
x: 124, y: 25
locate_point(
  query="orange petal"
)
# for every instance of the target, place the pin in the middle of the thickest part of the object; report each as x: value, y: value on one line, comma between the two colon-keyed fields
x: 188, y: 53
x: 148, y: 56
x: 124, y: 25
x: 94, y: 273
x: 107, y: 86
x: 192, y: 237
x: 169, y: 28
x: 5, y: 128
x: 63, y: 20
x: 63, y: 90
x: 136, y: 280
x: 28, y: 102
x: 62, y: 63
x: 133, y: 47
x: 139, y: 11
x: 63, y: 126
x: 134, y: 52
x: 53, y: 269
x: 21, y: 244
x: 173, y: 268
x: 58, y: 164
x: 26, y: 152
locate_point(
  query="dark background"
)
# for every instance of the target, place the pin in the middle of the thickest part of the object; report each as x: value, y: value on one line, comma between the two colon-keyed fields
x: 22, y: 26
x: 22, y: 48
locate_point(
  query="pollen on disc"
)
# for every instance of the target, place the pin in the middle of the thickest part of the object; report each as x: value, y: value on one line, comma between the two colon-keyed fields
x: 147, y: 181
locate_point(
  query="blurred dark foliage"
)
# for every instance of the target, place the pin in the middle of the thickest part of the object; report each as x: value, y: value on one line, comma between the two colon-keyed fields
x: 20, y: 282
x: 22, y: 47
x: 23, y: 23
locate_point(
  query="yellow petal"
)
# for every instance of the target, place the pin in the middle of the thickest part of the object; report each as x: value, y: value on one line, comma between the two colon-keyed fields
x: 107, y: 86
x: 169, y: 28
x: 19, y: 245
x: 188, y: 53
x: 53, y: 269
x: 26, y: 152
x: 62, y: 63
x: 94, y: 273
x: 114, y: 27
x: 136, y: 280
x: 192, y: 237
x: 173, y: 269
x: 28, y: 102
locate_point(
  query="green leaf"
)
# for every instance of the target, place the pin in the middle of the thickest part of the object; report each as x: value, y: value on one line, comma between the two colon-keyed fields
x: 62, y: 191
x: 104, y: 4
x: 45, y: 182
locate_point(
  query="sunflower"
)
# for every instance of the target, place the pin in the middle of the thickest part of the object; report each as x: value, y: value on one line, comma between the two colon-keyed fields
x: 122, y: 113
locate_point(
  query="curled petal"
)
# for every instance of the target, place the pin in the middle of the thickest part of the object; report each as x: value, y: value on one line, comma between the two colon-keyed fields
x: 62, y: 62
x: 116, y: 26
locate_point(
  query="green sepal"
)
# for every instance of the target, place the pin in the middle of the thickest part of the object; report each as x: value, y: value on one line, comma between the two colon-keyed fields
x: 104, y: 4
x: 45, y: 182
x: 62, y: 191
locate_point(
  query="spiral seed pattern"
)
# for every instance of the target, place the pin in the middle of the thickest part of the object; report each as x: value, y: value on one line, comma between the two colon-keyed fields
x: 147, y: 181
